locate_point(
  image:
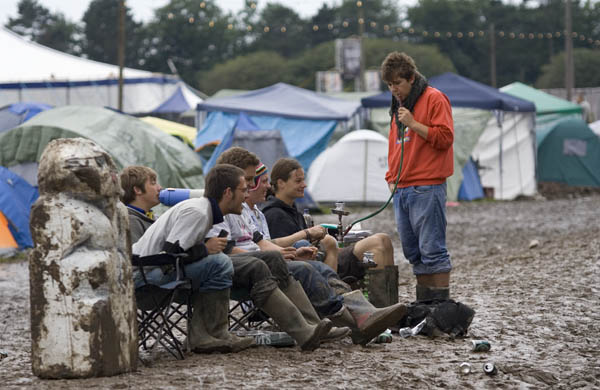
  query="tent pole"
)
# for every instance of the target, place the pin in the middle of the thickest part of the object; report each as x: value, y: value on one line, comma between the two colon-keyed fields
x: 365, y: 171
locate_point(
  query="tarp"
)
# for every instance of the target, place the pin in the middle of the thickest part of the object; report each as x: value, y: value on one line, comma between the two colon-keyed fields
x: 595, y: 126
x: 13, y: 115
x: 127, y: 139
x: 16, y: 198
x: 352, y: 170
x: 463, y: 92
x: 181, y: 131
x: 268, y: 145
x: 470, y: 188
x: 182, y: 100
x: 32, y: 72
x: 544, y: 102
x: 284, y: 100
x: 570, y: 154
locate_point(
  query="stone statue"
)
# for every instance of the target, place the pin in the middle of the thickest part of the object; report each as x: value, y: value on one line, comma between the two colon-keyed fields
x: 83, y: 314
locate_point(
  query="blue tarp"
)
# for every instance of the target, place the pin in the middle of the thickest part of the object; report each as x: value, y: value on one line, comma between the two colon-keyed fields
x: 16, y: 198
x: 284, y: 100
x: 463, y: 92
x: 470, y: 188
x: 14, y: 114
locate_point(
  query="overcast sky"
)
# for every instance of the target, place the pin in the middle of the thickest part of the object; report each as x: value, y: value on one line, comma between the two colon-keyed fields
x: 143, y: 9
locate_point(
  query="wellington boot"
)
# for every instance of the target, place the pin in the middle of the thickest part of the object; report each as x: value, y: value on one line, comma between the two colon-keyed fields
x: 383, y: 286
x: 369, y: 321
x: 291, y: 320
x: 297, y: 295
x: 430, y: 294
x: 215, y: 315
x: 199, y: 340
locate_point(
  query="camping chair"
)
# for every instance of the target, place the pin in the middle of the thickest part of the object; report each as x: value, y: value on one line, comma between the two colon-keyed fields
x: 161, y: 308
x: 243, y: 315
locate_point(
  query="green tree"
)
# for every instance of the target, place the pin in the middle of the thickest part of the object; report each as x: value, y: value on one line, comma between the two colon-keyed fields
x: 252, y: 71
x: 194, y: 35
x: 587, y: 63
x: 40, y: 25
x: 101, y: 30
x: 280, y: 29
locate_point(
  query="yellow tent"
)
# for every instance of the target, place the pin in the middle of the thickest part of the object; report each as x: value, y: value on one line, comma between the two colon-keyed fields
x: 186, y: 133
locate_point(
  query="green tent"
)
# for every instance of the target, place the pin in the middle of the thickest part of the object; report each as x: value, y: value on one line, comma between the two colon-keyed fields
x: 127, y: 139
x: 570, y: 154
x: 549, y: 109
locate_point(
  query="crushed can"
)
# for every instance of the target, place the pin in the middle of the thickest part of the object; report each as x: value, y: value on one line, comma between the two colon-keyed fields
x: 481, y: 345
x: 490, y: 368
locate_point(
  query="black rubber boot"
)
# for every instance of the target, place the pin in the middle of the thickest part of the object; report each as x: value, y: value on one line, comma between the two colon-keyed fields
x: 383, y: 286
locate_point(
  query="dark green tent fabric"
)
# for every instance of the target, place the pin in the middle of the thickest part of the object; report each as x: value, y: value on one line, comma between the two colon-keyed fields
x: 570, y: 154
x: 127, y: 139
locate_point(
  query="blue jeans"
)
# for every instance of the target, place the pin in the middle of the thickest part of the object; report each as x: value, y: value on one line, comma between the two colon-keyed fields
x: 214, y: 272
x: 312, y: 275
x: 421, y: 219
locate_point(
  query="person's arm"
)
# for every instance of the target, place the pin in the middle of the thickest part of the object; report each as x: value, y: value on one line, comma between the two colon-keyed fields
x: 440, y: 134
x: 311, y: 234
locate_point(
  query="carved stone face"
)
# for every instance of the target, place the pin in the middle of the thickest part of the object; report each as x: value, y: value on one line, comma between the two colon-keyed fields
x: 78, y: 166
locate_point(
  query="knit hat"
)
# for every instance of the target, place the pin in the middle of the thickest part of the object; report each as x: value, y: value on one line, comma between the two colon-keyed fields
x: 261, y: 170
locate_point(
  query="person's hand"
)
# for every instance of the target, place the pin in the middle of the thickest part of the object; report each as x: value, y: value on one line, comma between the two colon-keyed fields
x: 306, y: 253
x: 405, y: 116
x: 317, y: 232
x: 215, y: 245
x: 288, y: 253
x: 391, y: 186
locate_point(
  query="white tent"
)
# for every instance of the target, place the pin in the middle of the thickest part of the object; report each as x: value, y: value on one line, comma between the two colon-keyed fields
x: 32, y: 72
x: 352, y: 170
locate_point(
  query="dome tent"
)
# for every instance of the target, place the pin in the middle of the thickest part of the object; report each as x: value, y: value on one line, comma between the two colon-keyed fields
x: 127, y: 139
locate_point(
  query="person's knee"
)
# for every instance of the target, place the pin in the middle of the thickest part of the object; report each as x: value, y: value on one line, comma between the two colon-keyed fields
x: 329, y: 243
x: 383, y: 243
x: 301, y: 270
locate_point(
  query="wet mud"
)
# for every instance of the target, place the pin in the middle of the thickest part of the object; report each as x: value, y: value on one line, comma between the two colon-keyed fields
x: 531, y: 270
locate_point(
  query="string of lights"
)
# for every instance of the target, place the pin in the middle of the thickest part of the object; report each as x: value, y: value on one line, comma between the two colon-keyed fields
x: 401, y: 31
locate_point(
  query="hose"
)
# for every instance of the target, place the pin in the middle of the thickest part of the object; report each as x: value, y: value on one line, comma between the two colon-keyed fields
x: 402, y: 130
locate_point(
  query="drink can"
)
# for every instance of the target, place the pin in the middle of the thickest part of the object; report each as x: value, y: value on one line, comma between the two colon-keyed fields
x: 481, y: 345
x: 490, y: 369
x: 465, y: 368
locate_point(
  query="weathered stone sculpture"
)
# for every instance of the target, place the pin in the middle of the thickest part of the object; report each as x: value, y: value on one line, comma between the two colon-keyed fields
x: 82, y: 297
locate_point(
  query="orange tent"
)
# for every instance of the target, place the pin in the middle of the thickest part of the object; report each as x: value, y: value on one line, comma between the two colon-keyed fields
x: 6, y: 238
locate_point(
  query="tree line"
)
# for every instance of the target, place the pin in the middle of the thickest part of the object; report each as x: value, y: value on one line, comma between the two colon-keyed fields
x: 260, y: 45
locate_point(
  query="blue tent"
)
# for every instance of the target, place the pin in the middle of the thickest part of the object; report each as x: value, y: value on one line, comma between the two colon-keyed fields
x: 182, y: 100
x: 463, y: 92
x: 305, y: 119
x: 14, y: 114
x: 266, y: 144
x: 470, y: 188
x: 16, y: 198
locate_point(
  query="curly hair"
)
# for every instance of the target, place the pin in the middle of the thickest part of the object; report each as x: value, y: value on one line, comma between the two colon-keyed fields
x: 282, y: 169
x: 239, y: 157
x: 397, y: 64
x: 135, y: 176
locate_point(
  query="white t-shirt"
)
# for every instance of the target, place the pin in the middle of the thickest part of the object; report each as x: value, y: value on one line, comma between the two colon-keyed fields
x: 240, y: 228
x: 187, y: 222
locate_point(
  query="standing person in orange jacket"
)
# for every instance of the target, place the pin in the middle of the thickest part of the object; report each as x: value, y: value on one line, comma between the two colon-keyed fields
x: 423, y: 116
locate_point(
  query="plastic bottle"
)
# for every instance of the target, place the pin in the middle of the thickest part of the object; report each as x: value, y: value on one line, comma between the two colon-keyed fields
x: 409, y: 332
x: 308, y: 219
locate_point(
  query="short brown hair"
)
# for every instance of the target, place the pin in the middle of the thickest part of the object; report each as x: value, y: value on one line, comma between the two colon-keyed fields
x: 135, y: 176
x: 239, y: 157
x: 221, y: 177
x: 398, y: 64
x: 282, y: 169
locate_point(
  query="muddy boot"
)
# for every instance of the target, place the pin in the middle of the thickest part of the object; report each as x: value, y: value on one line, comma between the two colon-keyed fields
x: 215, y: 315
x: 296, y: 294
x: 383, y: 286
x: 199, y: 340
x: 365, y: 320
x: 430, y: 294
x: 291, y: 320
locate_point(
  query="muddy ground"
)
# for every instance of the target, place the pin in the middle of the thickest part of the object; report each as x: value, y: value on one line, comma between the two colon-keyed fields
x: 538, y: 306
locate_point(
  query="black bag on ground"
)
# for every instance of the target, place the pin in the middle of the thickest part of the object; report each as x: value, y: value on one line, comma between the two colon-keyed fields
x: 450, y: 317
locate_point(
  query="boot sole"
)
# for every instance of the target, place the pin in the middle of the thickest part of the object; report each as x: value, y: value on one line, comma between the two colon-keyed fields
x: 370, y: 331
x: 321, y: 330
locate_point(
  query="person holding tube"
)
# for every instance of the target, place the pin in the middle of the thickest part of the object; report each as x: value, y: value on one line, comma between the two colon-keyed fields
x: 420, y: 144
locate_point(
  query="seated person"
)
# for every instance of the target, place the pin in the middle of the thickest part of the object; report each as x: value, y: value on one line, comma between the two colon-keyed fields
x: 183, y: 228
x: 140, y: 194
x: 365, y: 321
x: 284, y: 220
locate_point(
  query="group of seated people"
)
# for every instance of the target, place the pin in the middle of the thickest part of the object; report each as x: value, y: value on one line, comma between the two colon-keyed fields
x: 273, y: 257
